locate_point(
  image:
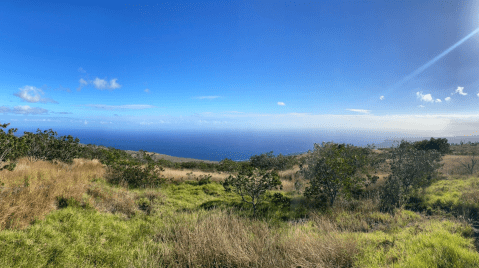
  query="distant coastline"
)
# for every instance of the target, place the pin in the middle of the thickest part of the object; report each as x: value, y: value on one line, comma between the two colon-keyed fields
x: 157, y: 156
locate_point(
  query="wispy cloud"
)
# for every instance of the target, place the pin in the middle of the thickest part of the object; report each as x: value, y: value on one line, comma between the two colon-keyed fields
x: 147, y: 90
x: 119, y: 107
x: 381, y: 98
x: 438, y: 100
x: 83, y: 83
x: 100, y: 84
x: 359, y: 111
x: 207, y: 97
x: 81, y: 70
x: 23, y: 110
x: 435, y: 125
x: 449, y: 98
x: 61, y: 113
x: 281, y: 103
x: 32, y: 95
x: 421, y: 106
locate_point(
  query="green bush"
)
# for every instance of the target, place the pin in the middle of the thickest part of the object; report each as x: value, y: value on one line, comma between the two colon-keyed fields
x: 268, y: 161
x: 337, y: 168
x: 411, y: 170
x: 280, y: 200
x: 135, y: 175
x: 252, y: 183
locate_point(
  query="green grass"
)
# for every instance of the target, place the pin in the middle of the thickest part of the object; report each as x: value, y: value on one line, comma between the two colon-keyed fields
x: 425, y: 244
x: 75, y: 237
x: 182, y: 229
x: 457, y: 195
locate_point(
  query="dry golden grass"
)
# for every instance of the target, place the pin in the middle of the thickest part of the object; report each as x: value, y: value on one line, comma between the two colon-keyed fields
x: 179, y: 175
x: 32, y: 189
x: 452, y: 164
x: 221, y: 239
x: 47, y: 181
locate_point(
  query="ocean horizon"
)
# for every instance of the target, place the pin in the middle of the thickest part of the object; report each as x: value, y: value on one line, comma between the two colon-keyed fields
x: 216, y: 145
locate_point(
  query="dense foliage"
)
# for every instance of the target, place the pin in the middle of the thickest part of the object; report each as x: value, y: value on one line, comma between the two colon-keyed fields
x: 411, y: 169
x: 268, y: 161
x: 440, y: 145
x: 337, y: 168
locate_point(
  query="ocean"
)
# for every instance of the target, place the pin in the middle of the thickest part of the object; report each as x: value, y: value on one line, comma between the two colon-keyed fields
x: 215, y: 145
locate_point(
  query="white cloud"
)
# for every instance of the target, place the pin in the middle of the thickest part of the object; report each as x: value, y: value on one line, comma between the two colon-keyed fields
x: 459, y: 90
x: 128, y: 106
x: 85, y: 123
x: 114, y: 84
x: 147, y: 90
x: 426, y: 98
x: 421, y: 106
x: 449, y: 98
x: 34, y: 96
x: 208, y: 97
x: 81, y: 70
x: 281, y: 103
x: 381, y: 98
x: 478, y: 94
x: 359, y: 111
x: 438, y: 100
x: 105, y: 123
x: 100, y: 83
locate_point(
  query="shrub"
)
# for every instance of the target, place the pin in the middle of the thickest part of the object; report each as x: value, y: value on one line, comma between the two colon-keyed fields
x: 334, y: 169
x: 11, y: 147
x: 46, y: 147
x: 411, y: 169
x: 135, y: 175
x: 280, y: 200
x: 268, y: 161
x: 252, y: 183
x: 204, y: 179
x: 228, y: 165
x: 440, y: 145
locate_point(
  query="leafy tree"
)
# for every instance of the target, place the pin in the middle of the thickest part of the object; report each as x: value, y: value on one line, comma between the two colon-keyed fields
x: 91, y: 152
x: 268, y: 161
x: 228, y: 165
x: 38, y: 144
x: 111, y: 156
x: 410, y: 169
x: 44, y: 146
x: 333, y: 169
x: 253, y: 183
x: 440, y: 145
x: 11, y: 147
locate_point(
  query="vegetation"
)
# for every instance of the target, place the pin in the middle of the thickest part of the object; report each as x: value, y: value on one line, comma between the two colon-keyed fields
x: 333, y: 169
x: 411, y: 170
x: 105, y: 208
x: 252, y: 183
x: 268, y: 161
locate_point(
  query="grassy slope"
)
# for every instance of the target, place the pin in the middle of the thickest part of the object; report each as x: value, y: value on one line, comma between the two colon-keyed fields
x: 177, y: 226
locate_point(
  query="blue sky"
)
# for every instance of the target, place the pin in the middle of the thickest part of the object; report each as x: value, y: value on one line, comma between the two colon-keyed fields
x: 374, y: 66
